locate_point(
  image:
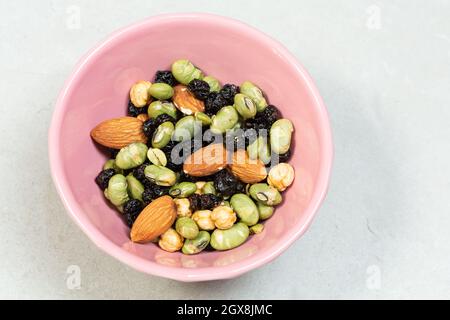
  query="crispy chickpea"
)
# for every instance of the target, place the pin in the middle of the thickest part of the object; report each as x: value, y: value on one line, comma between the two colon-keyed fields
x: 203, y: 219
x: 171, y: 241
x: 183, y: 207
x: 223, y: 217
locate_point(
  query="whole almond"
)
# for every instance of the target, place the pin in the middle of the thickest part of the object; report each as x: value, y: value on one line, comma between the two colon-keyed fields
x: 185, y: 101
x: 206, y: 161
x: 154, y: 220
x: 118, y: 133
x: 246, y: 169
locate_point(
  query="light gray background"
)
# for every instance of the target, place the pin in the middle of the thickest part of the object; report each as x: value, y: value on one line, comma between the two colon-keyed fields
x: 382, y: 68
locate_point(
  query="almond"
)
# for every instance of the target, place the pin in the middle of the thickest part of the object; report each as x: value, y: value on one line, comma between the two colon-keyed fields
x: 185, y: 101
x: 154, y: 220
x: 246, y: 169
x: 118, y: 133
x: 143, y: 117
x: 206, y: 161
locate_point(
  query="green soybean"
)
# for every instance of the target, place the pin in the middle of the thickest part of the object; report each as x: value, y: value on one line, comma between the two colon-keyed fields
x: 265, y: 194
x: 162, y: 135
x: 158, y: 107
x: 184, y: 71
x: 255, y: 93
x: 280, y: 136
x: 265, y: 211
x: 160, y: 175
x: 196, y: 245
x: 225, y: 119
x: 117, y: 190
x: 245, y: 106
x: 183, y: 189
x: 186, y: 128
x: 245, y: 208
x: 259, y: 149
x: 230, y: 238
x: 186, y: 227
x: 134, y: 188
x: 131, y: 156
x: 161, y: 91
x: 214, y: 84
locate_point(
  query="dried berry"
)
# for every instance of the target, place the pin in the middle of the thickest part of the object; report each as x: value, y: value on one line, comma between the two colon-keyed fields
x: 103, y: 178
x: 199, y: 88
x: 228, y: 92
x: 149, y: 127
x: 152, y: 124
x: 138, y: 173
x: 204, y: 201
x: 226, y: 183
x: 165, y: 76
x: 113, y: 152
x: 214, y: 102
x: 134, y: 111
x: 264, y: 119
x: 152, y: 192
x: 131, y: 210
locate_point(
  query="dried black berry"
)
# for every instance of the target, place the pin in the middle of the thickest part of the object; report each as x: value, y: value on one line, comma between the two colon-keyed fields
x: 103, y: 178
x: 204, y: 201
x: 165, y: 76
x: 264, y: 119
x: 138, y: 173
x: 152, y: 124
x: 152, y: 192
x: 131, y: 210
x: 226, y: 184
x: 134, y: 111
x: 214, y: 102
x: 149, y: 127
x: 199, y: 88
x: 228, y: 92
x: 113, y: 152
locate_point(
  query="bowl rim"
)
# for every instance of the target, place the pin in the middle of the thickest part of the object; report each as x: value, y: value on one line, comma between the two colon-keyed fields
x: 150, y: 267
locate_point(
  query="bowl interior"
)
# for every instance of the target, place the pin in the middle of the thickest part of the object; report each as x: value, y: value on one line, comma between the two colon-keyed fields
x: 230, y: 51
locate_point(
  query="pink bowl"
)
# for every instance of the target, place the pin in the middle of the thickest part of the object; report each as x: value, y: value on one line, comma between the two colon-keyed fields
x: 231, y: 51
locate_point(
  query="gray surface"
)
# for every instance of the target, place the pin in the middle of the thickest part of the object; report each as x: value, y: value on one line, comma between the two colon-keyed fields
x: 383, y: 231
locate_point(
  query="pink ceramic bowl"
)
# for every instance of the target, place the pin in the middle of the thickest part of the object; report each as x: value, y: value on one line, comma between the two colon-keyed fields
x: 229, y: 50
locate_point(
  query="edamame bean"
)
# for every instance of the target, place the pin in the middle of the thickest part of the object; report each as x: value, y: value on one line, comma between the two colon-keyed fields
x: 187, y: 227
x: 208, y: 188
x: 280, y: 136
x: 230, y: 238
x: 214, y: 84
x: 183, y: 189
x: 245, y: 106
x: 111, y: 164
x: 117, y: 190
x: 134, y: 188
x: 194, y: 246
x: 265, y: 211
x: 186, y: 128
x: 225, y: 119
x: 255, y: 93
x: 203, y: 118
x: 160, y: 175
x: 131, y: 156
x: 245, y: 208
x: 158, y: 107
x: 265, y: 194
x: 162, y: 135
x: 161, y: 91
x: 184, y: 71
x: 259, y: 149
